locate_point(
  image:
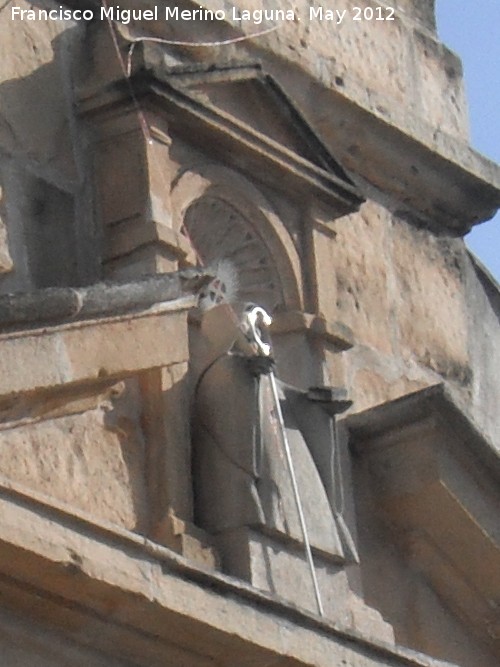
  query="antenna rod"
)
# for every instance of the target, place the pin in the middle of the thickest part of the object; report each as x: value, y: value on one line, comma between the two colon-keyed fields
x: 298, y: 502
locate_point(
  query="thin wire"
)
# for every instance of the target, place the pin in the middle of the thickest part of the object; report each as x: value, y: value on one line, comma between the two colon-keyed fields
x: 176, y: 42
x: 140, y: 114
x: 126, y: 68
x: 337, y: 470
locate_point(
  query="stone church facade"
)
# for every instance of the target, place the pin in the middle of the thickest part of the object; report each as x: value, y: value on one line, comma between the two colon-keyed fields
x: 149, y: 513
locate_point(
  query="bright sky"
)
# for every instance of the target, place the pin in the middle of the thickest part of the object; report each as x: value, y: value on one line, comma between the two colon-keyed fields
x: 471, y: 28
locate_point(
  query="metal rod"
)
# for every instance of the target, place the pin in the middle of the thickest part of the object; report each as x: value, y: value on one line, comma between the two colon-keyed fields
x: 291, y: 470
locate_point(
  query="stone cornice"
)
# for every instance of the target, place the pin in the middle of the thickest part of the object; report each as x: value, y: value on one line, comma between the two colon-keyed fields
x: 437, y: 481
x: 384, y: 423
x: 122, y: 594
x: 193, y: 117
x: 61, y: 304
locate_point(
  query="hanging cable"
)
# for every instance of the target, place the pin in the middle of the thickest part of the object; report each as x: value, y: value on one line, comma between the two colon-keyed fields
x: 140, y: 113
x: 177, y: 42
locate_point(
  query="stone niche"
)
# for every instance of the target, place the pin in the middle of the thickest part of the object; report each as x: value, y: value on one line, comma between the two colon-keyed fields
x: 49, y: 234
x: 208, y: 179
x: 38, y: 240
x: 212, y: 179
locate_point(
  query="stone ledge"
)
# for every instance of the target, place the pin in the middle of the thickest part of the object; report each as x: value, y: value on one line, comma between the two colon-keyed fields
x: 91, y: 350
x: 59, y: 304
x: 124, y: 595
x: 436, y: 402
x: 126, y: 238
x: 437, y: 482
x: 336, y: 333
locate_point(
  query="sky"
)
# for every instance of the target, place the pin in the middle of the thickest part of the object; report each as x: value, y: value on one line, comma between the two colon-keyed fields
x: 471, y: 28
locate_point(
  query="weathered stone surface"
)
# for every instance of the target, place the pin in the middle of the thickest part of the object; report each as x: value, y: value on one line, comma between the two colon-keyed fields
x: 382, y: 132
x: 432, y: 330
x: 167, y: 427
x: 111, y: 298
x: 145, y: 605
x: 265, y: 564
x: 332, y: 54
x: 362, y: 273
x: 405, y: 340
x: 376, y: 379
x: 25, y: 642
x: 80, y: 352
x: 259, y: 560
x: 483, y: 306
x: 132, y: 177
x: 427, y: 461
x: 33, y: 78
x: 422, y: 11
x: 95, y: 414
x: 403, y: 594
x: 187, y: 539
x: 39, y: 148
x: 92, y: 460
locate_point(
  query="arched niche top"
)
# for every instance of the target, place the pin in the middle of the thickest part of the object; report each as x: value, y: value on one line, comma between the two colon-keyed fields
x: 227, y: 217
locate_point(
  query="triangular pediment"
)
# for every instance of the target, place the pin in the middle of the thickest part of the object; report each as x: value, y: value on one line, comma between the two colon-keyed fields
x: 254, y: 98
x: 241, y: 116
x: 248, y: 120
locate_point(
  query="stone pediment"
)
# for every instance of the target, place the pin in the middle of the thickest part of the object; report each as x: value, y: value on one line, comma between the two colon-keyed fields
x: 241, y: 116
x: 266, y: 108
x: 269, y: 122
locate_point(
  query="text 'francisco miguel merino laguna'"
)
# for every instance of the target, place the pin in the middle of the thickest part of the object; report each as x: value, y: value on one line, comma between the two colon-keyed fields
x: 156, y: 13
x: 256, y: 16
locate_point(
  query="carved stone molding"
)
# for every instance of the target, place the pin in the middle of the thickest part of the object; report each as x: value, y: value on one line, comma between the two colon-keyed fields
x: 199, y: 108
